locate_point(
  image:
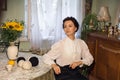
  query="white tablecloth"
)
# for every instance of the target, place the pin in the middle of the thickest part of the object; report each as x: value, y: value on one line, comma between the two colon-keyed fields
x: 19, y: 73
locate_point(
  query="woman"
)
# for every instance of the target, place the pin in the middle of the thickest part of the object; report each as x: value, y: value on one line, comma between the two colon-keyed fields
x: 68, y: 55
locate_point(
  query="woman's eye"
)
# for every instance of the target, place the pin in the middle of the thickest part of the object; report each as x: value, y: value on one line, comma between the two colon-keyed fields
x: 70, y: 25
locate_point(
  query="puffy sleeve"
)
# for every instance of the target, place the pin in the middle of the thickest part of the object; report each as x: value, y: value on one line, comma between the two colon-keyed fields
x: 87, y: 58
x: 53, y: 54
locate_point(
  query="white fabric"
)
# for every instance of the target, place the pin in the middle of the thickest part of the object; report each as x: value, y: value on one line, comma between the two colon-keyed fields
x: 67, y: 51
x: 46, y: 20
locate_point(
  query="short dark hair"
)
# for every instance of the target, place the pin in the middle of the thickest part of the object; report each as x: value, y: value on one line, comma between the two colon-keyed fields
x: 73, y: 20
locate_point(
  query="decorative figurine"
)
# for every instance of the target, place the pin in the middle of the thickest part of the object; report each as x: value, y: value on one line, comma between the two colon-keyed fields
x: 27, y: 64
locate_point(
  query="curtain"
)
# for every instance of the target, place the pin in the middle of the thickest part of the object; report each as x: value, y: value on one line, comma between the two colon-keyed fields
x: 46, y: 18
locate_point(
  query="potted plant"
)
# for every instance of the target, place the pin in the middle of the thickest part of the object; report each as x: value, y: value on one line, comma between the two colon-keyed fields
x: 89, y: 24
x: 11, y: 30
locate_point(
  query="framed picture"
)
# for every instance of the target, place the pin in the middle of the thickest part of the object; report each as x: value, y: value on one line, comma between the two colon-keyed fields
x: 88, y: 6
x: 4, y: 5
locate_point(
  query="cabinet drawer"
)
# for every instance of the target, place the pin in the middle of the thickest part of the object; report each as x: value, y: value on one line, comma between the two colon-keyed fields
x: 107, y: 66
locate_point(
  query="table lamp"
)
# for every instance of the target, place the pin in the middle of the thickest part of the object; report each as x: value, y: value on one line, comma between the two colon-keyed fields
x: 103, y: 15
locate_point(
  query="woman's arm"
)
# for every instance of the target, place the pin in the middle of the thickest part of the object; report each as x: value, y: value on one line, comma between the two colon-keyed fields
x: 54, y: 53
x: 87, y: 58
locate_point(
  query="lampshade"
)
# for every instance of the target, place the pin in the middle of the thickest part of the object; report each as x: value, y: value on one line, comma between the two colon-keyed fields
x: 103, y: 14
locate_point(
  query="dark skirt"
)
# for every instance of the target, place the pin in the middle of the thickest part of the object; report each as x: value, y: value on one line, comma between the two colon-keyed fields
x: 69, y: 74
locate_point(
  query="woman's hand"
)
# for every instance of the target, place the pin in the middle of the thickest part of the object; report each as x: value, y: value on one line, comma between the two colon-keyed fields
x: 56, y: 68
x: 75, y: 64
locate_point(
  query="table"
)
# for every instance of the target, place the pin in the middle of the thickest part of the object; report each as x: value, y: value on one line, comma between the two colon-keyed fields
x: 18, y: 73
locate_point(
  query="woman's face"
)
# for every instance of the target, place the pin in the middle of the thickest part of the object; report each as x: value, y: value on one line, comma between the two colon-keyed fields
x: 69, y: 28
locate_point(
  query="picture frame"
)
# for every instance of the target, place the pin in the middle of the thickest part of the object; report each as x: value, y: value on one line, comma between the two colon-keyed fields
x: 4, y: 5
x: 88, y: 6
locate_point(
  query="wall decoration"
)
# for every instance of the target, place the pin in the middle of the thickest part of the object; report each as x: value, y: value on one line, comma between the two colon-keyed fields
x: 4, y: 5
x: 88, y: 6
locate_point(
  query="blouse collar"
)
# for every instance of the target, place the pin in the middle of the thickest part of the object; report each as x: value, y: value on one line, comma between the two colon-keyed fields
x: 71, y: 39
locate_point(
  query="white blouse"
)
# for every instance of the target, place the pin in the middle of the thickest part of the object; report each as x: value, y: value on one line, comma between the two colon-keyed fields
x: 67, y: 51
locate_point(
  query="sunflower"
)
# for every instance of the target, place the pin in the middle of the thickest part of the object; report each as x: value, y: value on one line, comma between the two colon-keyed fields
x: 11, y: 30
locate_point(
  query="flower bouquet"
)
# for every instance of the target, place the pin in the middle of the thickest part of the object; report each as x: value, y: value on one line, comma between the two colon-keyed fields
x: 11, y: 30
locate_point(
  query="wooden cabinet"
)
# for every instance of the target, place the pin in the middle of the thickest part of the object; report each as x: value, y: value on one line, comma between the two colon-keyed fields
x: 106, y: 52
